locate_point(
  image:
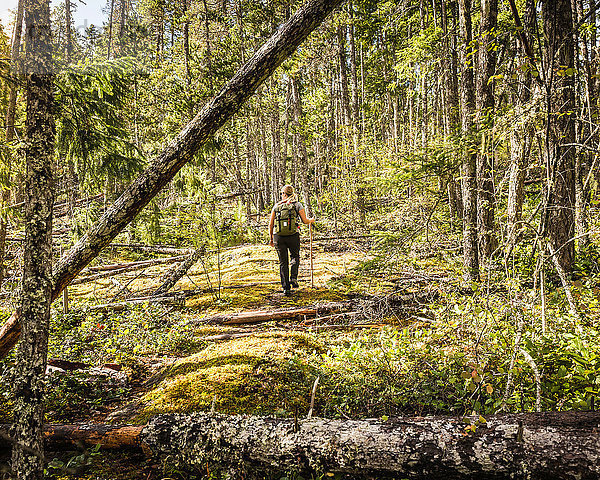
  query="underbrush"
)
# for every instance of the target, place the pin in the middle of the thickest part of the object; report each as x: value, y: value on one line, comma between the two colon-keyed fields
x: 476, y: 354
x: 484, y: 350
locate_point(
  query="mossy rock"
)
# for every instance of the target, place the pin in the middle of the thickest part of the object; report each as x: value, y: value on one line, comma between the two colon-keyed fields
x: 265, y: 374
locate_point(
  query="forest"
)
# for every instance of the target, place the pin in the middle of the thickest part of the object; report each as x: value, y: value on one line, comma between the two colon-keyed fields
x: 444, y: 323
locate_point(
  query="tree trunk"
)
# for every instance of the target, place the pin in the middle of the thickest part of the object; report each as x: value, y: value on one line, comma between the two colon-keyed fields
x: 69, y: 45
x: 550, y: 445
x: 208, y: 55
x: 186, y: 48
x: 302, y: 154
x: 521, y: 134
x: 266, y: 167
x: 560, y: 130
x: 277, y: 171
x: 32, y: 351
x: 69, y: 437
x: 345, y: 97
x: 110, y: 27
x: 164, y: 167
x: 544, y: 445
x: 179, y: 271
x: 451, y: 107
x: 486, y: 68
x: 469, y: 187
x: 587, y: 136
x: 10, y: 126
x: 353, y: 70
x: 122, y: 19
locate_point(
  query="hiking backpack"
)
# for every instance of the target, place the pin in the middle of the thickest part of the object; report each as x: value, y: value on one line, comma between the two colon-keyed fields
x: 286, y: 219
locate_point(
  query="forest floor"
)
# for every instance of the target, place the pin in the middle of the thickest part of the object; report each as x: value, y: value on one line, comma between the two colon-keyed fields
x: 378, y: 335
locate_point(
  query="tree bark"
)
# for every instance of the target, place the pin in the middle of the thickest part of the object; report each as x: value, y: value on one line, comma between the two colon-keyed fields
x: 179, y: 271
x: 112, y: 270
x: 302, y: 154
x: 345, y: 97
x: 560, y: 131
x: 164, y: 167
x: 258, y: 316
x: 469, y: 187
x: 521, y: 134
x: 277, y: 171
x: 31, y: 356
x: 10, y: 125
x: 174, y: 300
x: 69, y: 35
x: 69, y: 437
x: 587, y: 135
x: 550, y: 445
x: 110, y: 28
x: 553, y: 445
x: 486, y: 68
x: 451, y: 106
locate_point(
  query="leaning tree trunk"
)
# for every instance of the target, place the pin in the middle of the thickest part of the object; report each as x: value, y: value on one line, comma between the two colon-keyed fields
x: 469, y: 187
x: 178, y: 272
x: 177, y: 153
x: 32, y: 351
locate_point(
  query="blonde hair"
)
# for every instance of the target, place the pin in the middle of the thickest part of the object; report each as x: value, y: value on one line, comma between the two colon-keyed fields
x: 288, y: 190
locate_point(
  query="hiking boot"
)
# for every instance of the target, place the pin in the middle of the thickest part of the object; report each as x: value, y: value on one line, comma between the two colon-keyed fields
x: 294, y: 284
x: 287, y: 293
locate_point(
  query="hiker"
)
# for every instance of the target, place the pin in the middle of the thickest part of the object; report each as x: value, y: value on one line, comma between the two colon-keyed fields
x: 284, y: 234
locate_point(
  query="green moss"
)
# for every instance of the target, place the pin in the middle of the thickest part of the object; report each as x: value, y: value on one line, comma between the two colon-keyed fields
x: 266, y: 374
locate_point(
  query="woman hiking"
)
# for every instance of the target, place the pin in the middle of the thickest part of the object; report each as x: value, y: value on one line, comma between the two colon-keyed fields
x: 284, y: 234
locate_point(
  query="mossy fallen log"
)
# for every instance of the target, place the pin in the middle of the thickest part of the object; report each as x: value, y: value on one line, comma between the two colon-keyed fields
x: 557, y: 445
x: 532, y: 446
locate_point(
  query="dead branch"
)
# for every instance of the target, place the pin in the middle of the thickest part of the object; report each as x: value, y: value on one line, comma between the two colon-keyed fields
x: 119, y: 306
x: 112, y: 270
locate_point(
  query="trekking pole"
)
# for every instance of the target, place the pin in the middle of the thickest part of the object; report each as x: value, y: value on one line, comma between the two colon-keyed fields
x: 312, y: 278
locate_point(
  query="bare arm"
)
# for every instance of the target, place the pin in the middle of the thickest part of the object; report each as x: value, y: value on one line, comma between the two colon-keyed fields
x: 271, y: 225
x: 304, y: 218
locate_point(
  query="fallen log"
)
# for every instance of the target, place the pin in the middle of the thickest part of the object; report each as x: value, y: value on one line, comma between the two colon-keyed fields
x: 532, y: 446
x: 160, y: 249
x: 66, y: 364
x: 201, y: 291
x: 70, y: 437
x: 119, y: 306
x: 340, y: 326
x: 161, y: 170
x: 258, y: 316
x: 175, y: 275
x: 553, y: 445
x: 110, y: 272
x: 143, y: 263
